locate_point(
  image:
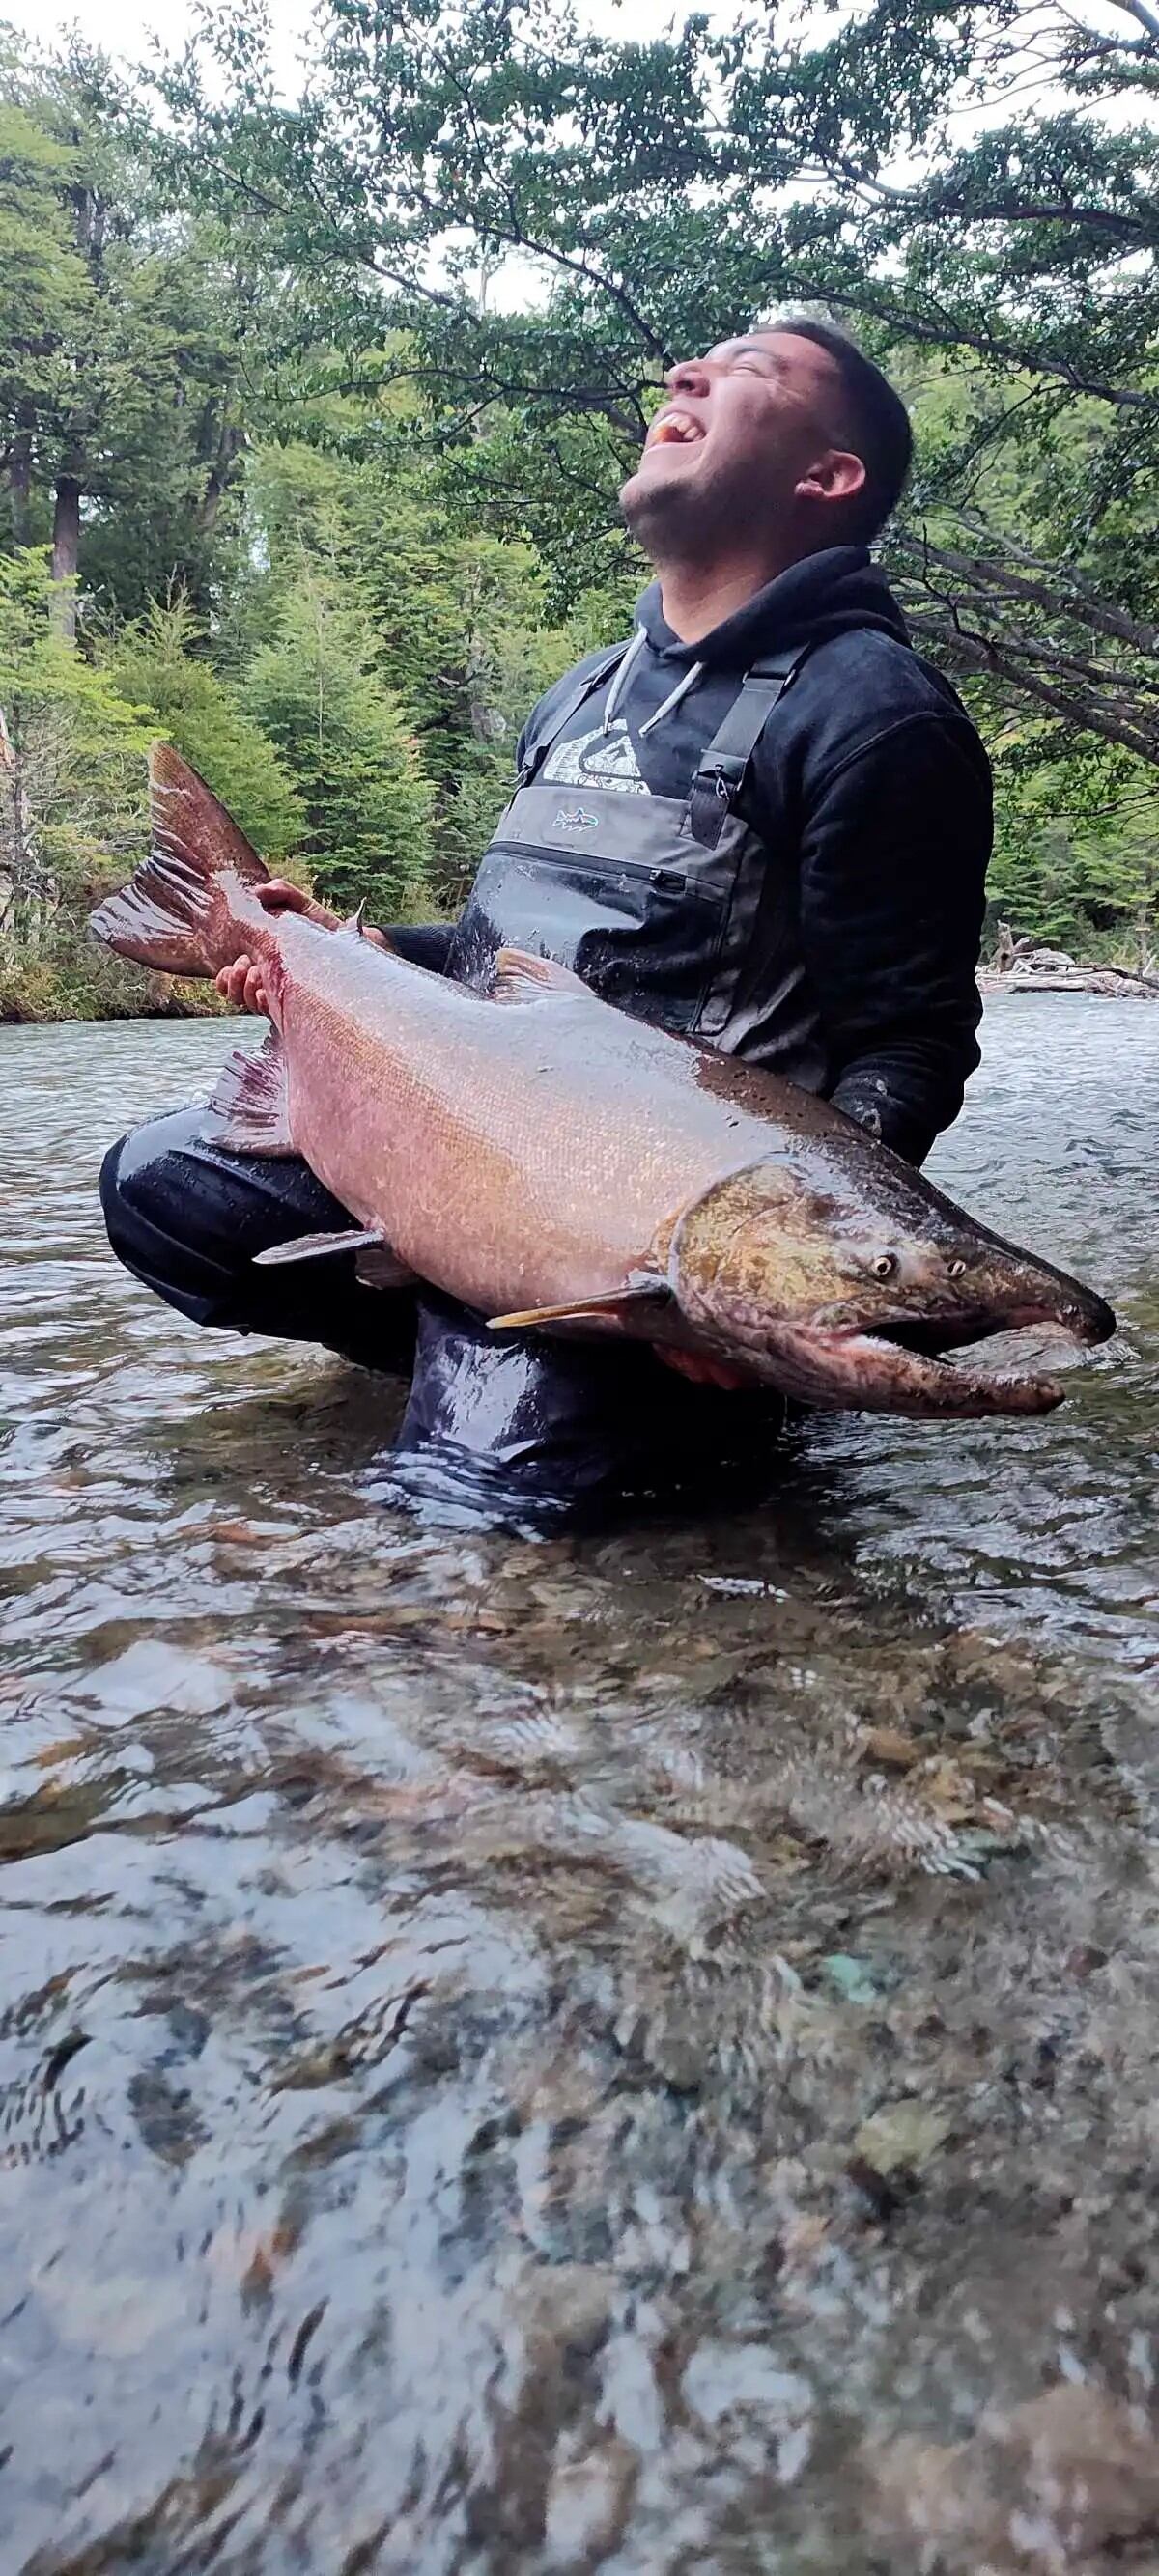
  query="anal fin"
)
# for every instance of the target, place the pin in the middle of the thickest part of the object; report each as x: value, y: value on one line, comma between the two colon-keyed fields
x: 251, y: 1099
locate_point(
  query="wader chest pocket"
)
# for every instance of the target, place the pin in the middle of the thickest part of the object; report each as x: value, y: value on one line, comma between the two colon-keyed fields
x: 643, y: 938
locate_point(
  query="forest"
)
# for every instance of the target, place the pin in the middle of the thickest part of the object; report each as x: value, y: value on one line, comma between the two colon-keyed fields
x: 313, y: 412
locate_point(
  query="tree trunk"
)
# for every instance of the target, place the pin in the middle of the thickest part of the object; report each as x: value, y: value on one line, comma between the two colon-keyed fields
x: 66, y: 553
x: 219, y: 477
x: 27, y: 891
x: 20, y: 473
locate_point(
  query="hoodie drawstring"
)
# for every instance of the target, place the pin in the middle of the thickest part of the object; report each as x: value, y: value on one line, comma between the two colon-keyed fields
x: 615, y: 693
x: 673, y: 698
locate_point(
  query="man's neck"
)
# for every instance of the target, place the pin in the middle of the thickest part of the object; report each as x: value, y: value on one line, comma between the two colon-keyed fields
x: 696, y: 597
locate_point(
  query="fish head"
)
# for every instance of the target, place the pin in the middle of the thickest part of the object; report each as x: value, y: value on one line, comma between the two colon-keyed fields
x: 849, y: 1297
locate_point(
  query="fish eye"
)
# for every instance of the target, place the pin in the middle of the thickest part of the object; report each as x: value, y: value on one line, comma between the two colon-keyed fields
x: 884, y: 1266
x: 955, y: 1270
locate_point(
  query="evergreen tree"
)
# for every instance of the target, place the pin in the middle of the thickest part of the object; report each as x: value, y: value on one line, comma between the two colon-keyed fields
x: 666, y: 190
x: 316, y: 693
x: 43, y: 299
x: 263, y: 380
x: 121, y: 348
x: 158, y: 664
x: 72, y: 803
x: 457, y: 614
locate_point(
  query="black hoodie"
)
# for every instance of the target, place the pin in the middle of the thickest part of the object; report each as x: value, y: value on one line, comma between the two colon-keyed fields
x: 870, y: 778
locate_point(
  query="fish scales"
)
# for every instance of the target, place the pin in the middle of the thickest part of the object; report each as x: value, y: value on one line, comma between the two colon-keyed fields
x: 526, y: 1182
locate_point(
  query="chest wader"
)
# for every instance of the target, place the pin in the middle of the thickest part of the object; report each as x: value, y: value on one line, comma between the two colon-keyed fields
x: 670, y: 908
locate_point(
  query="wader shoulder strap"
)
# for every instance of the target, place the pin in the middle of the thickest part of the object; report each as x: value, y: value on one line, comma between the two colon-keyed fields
x: 725, y: 759
x: 592, y: 680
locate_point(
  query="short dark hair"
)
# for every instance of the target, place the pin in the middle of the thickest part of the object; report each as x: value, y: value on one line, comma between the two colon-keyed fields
x: 876, y: 423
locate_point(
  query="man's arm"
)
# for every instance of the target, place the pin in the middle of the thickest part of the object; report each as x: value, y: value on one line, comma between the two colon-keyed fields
x: 422, y: 943
x: 893, y: 868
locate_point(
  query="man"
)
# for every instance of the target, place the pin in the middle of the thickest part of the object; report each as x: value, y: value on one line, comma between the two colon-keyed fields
x: 763, y: 822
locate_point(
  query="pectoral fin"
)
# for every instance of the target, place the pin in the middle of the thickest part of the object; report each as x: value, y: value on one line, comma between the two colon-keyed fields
x: 315, y: 1247
x: 608, y: 1304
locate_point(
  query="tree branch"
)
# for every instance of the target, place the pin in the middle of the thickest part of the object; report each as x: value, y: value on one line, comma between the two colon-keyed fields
x: 1143, y: 17
x: 974, y: 652
x: 954, y: 335
x: 1114, y: 623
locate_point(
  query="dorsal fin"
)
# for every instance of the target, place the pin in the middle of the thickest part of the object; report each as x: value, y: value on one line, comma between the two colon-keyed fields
x: 520, y: 977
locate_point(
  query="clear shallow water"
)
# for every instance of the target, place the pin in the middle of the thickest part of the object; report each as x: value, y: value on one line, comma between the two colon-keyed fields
x: 445, y: 1981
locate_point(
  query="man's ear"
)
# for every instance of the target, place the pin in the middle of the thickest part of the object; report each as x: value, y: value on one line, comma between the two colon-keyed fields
x: 837, y: 476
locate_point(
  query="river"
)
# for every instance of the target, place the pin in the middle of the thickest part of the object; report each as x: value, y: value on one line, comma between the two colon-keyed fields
x: 636, y: 2052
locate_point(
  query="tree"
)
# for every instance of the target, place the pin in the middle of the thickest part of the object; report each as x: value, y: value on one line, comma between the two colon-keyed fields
x: 340, y: 509
x: 317, y: 695
x: 661, y: 190
x: 71, y: 771
x: 42, y: 298
x: 159, y: 665
x: 122, y: 388
x: 457, y: 616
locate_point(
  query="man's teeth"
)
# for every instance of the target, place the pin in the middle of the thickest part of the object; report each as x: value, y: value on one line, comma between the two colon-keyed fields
x: 674, y: 429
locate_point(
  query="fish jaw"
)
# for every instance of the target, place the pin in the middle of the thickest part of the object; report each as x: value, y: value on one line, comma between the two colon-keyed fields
x: 842, y: 1371
x: 897, y: 1364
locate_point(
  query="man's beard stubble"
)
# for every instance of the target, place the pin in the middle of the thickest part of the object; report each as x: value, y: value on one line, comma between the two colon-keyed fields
x: 679, y: 519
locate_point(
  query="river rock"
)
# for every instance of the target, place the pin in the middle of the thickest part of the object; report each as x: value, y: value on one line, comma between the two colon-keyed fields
x: 900, y: 2139
x: 1041, y: 2487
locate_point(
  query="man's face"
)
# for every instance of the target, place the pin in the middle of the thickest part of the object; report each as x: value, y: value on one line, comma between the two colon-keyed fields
x: 749, y: 441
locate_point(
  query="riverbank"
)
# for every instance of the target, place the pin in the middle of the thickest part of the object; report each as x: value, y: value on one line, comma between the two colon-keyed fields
x: 35, y: 995
x: 1114, y: 983
x: 43, y: 993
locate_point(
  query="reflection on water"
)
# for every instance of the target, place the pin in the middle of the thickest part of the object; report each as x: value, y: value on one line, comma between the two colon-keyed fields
x: 633, y: 2053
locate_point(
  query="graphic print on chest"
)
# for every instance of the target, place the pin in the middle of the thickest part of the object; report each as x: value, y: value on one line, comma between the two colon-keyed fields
x: 597, y: 760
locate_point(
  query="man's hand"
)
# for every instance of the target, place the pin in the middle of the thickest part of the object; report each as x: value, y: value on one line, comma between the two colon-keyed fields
x: 280, y: 896
x: 242, y: 983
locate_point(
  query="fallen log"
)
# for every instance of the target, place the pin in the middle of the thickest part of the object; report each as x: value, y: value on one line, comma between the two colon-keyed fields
x: 1112, y: 982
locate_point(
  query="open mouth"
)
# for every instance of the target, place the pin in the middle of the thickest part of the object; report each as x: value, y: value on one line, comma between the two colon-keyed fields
x: 890, y: 1367
x: 675, y: 429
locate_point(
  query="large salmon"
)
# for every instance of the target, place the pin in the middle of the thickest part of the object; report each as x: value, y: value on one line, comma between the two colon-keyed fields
x: 558, y: 1163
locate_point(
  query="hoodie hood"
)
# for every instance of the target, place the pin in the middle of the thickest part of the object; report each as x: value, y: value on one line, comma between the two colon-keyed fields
x: 826, y: 594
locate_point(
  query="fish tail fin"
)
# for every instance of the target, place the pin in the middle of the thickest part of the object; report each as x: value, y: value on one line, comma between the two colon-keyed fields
x: 179, y: 913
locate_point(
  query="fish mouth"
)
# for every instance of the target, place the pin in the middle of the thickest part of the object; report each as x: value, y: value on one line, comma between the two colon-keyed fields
x: 894, y: 1365
x: 872, y: 1372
